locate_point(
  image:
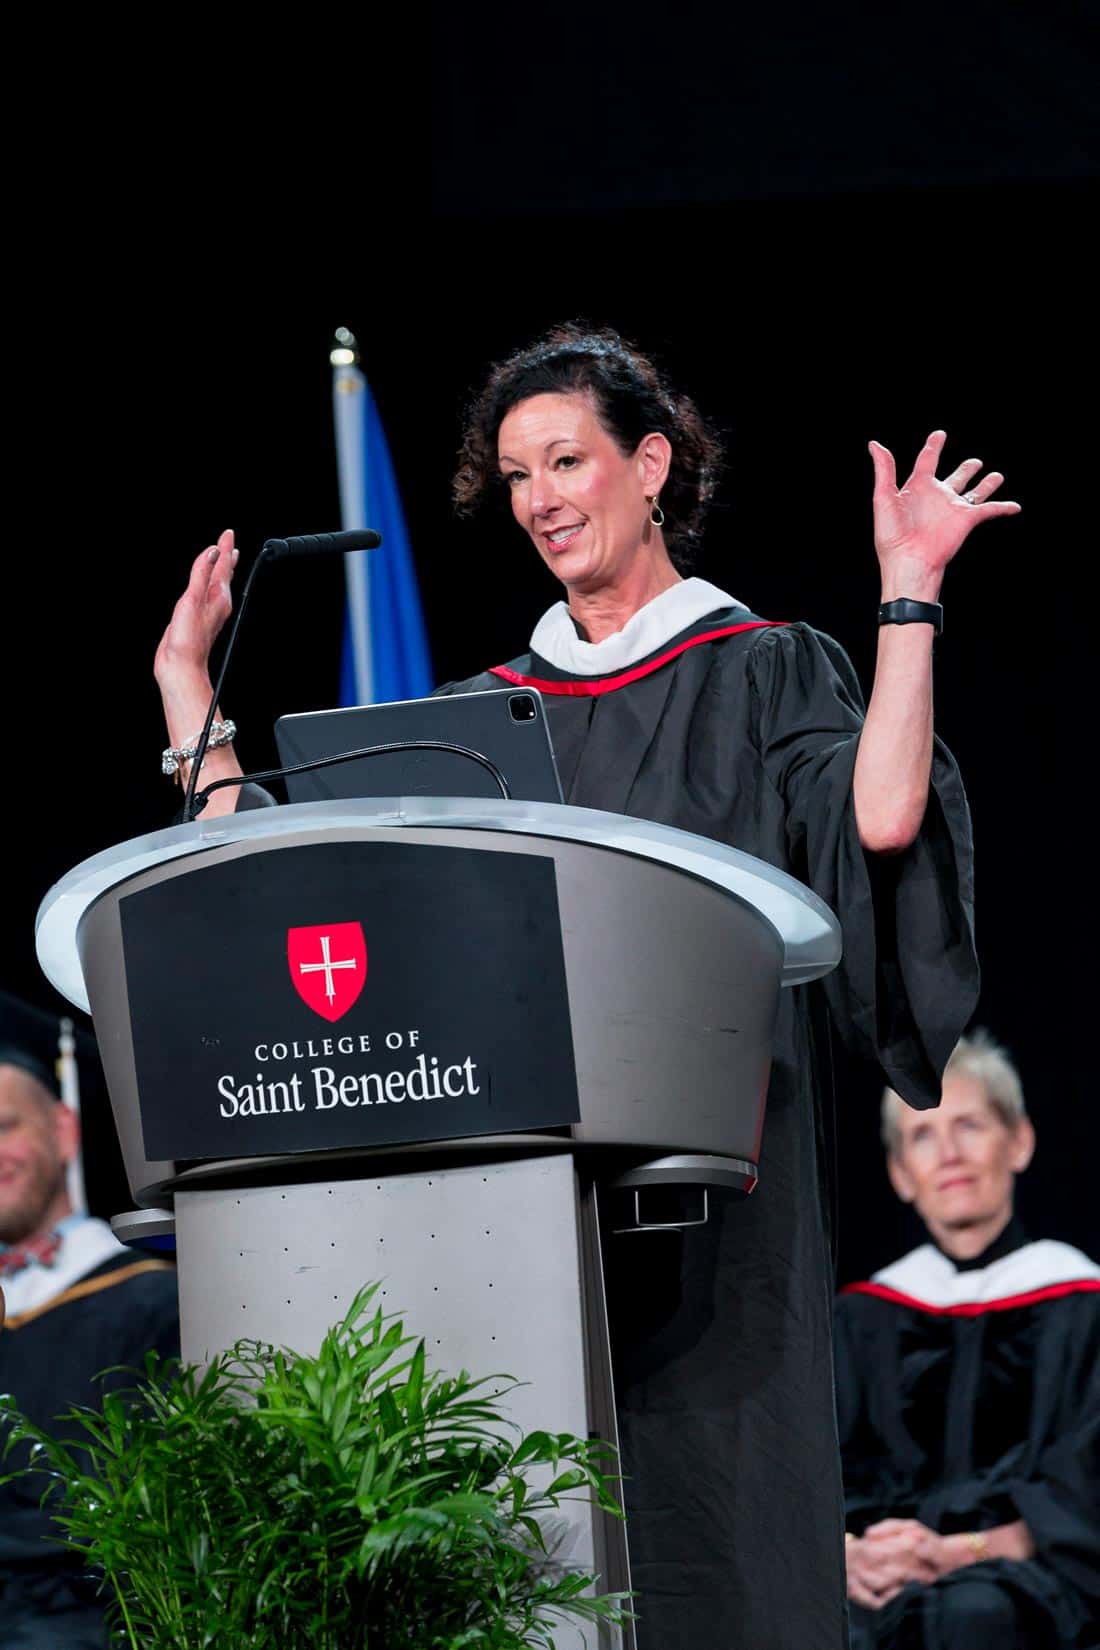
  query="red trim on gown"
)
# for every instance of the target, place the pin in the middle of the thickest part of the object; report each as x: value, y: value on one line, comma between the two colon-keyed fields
x: 607, y: 684
x: 973, y: 1309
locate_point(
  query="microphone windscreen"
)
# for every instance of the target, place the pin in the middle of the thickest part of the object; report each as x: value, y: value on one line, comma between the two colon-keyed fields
x: 320, y: 544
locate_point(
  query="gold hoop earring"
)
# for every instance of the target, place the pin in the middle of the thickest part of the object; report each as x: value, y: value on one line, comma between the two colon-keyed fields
x: 656, y: 514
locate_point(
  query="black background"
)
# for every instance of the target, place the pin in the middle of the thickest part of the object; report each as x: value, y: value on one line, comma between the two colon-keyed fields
x: 832, y: 224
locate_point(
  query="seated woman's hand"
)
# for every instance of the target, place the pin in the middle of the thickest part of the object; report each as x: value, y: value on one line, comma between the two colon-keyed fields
x: 920, y: 526
x: 888, y: 1557
x: 183, y: 653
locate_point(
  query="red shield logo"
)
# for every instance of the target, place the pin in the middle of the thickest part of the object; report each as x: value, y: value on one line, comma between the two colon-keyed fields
x: 328, y: 965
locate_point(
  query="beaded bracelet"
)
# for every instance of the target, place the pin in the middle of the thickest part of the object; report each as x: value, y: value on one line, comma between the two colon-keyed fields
x: 221, y: 733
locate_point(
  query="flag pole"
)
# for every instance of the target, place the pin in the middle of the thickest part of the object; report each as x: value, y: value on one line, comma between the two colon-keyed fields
x: 69, y: 1084
x: 349, y: 407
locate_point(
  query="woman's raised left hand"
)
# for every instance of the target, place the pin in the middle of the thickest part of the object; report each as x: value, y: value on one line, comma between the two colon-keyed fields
x: 920, y: 526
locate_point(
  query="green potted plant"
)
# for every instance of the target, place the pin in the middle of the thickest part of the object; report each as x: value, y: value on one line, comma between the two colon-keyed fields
x: 355, y: 1500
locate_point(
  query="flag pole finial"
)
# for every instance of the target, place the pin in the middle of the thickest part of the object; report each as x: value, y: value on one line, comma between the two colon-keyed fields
x: 345, y: 350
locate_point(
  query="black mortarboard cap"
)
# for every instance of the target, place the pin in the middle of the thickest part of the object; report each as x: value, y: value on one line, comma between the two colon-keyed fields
x: 30, y: 1037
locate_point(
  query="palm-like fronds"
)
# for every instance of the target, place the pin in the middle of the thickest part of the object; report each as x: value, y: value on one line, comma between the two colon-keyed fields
x: 355, y: 1500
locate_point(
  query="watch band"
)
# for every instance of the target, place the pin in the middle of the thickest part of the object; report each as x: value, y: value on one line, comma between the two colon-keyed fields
x: 906, y: 611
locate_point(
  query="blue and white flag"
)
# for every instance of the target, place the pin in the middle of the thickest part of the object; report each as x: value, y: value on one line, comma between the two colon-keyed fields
x: 385, y: 643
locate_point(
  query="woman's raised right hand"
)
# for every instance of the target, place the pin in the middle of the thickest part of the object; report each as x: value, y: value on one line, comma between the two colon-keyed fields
x: 183, y: 653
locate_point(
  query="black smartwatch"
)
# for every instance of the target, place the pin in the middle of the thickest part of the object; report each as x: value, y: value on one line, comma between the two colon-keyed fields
x: 906, y: 611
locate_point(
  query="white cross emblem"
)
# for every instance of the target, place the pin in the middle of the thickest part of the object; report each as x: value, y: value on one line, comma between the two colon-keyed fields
x: 326, y: 965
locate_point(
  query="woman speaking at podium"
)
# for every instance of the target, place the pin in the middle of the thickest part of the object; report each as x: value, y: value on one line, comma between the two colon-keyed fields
x: 669, y: 700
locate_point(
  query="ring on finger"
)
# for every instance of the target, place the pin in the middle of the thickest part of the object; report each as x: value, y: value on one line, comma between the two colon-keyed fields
x: 971, y: 498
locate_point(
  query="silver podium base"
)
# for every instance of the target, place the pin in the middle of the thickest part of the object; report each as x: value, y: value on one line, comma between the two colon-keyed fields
x: 491, y: 1264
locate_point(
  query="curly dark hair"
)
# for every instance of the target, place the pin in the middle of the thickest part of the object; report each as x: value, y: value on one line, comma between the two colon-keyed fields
x: 632, y: 400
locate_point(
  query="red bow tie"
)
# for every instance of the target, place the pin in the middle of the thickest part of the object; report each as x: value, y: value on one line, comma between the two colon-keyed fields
x: 18, y: 1255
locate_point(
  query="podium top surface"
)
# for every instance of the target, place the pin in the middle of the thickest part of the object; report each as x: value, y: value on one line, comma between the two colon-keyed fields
x: 808, y: 929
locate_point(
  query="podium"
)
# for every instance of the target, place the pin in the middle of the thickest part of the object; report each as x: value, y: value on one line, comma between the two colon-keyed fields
x: 439, y: 1043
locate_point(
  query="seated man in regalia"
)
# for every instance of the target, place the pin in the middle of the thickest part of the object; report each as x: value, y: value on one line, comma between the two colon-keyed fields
x: 77, y: 1303
x: 968, y: 1389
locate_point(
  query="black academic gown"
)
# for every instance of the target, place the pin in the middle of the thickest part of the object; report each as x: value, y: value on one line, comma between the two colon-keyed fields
x: 721, y: 1334
x: 48, y: 1363
x: 972, y: 1416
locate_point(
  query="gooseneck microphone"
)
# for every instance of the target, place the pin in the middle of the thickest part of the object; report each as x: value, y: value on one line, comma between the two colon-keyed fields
x: 308, y: 544
x: 319, y: 544
x: 352, y: 756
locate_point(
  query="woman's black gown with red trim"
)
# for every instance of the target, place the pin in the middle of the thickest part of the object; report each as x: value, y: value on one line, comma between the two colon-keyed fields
x: 964, y: 1419
x: 721, y: 1334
